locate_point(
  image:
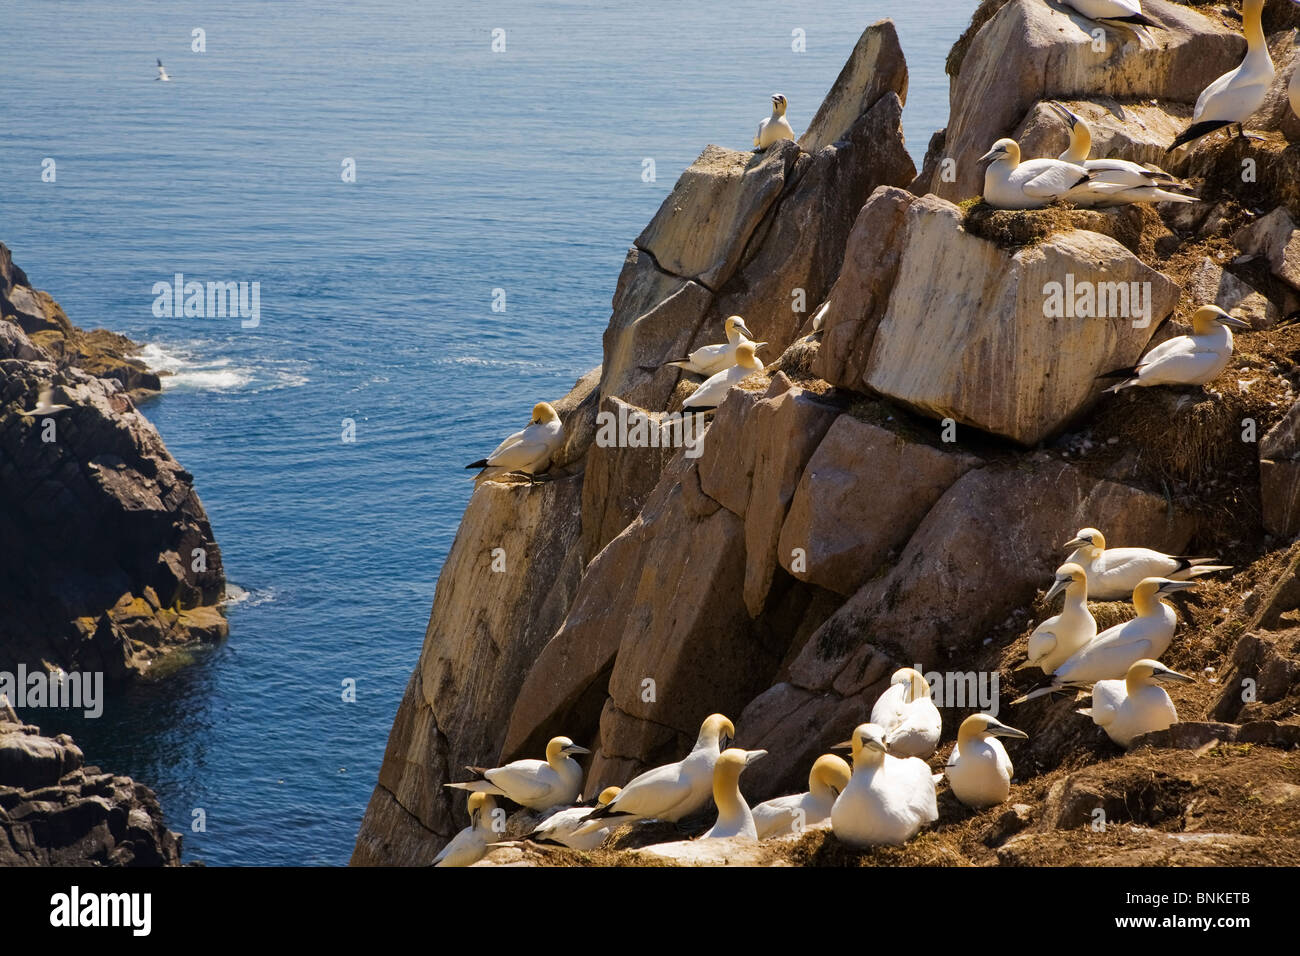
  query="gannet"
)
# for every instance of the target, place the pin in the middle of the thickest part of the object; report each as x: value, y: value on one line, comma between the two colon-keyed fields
x: 1186, y: 359
x: 470, y: 844
x: 712, y: 359
x: 1234, y: 97
x: 887, y: 799
x: 1011, y: 184
x: 776, y: 127
x: 907, y: 715
x: 562, y: 826
x: 1055, y: 640
x: 675, y: 790
x: 979, y: 770
x: 783, y: 815
x: 1136, y: 183
x: 1113, y: 651
x: 735, y: 819
x: 1113, y: 573
x: 536, y: 784
x: 1135, y: 705
x: 1293, y: 89
x: 1121, y: 13
x: 710, y: 394
x: 162, y: 73
x: 45, y: 404
x: 528, y: 451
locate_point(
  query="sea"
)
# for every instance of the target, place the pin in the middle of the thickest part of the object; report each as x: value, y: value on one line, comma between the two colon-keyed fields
x: 435, y: 200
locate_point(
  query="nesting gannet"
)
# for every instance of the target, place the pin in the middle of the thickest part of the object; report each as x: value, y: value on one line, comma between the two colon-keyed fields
x: 735, y: 819
x: 979, y: 770
x: 470, y: 844
x: 675, y: 790
x: 1133, y: 183
x: 776, y: 127
x: 536, y: 784
x: 1135, y: 705
x: 1113, y: 573
x: 528, y: 451
x: 907, y: 715
x: 563, y: 826
x: 162, y: 73
x: 1120, y: 13
x: 1113, y: 651
x: 1193, y: 359
x: 887, y: 799
x: 1234, y: 97
x: 45, y: 404
x: 1058, y: 638
x: 712, y: 359
x: 710, y: 394
x: 783, y: 815
x: 1011, y: 184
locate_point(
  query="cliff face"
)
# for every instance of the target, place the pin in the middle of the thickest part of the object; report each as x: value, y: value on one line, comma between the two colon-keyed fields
x: 895, y: 489
x: 107, y: 560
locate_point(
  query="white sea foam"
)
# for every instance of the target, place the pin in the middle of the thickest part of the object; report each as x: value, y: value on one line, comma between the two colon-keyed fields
x: 187, y: 370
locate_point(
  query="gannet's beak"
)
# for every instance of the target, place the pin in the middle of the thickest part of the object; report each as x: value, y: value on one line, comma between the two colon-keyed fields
x: 759, y: 345
x: 742, y: 327
x: 1169, y: 587
x: 575, y: 749
x: 724, y: 742
x: 846, y: 745
x: 1174, y: 675
x: 1002, y: 730
x: 1065, y: 114
x: 752, y: 755
x: 1231, y: 321
x: 995, y: 151
x: 875, y: 745
x: 1057, y: 587
x: 1075, y: 543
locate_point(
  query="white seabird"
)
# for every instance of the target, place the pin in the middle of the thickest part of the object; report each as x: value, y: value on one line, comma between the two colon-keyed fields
x: 1234, y: 97
x: 711, y: 393
x: 1136, y: 183
x: 1293, y: 89
x: 536, y: 784
x: 735, y: 819
x: 907, y: 715
x: 1058, y: 638
x: 979, y: 770
x: 1119, y: 13
x: 469, y: 845
x: 1033, y: 184
x: 1135, y: 705
x: 528, y: 451
x: 45, y: 404
x: 1194, y: 359
x: 776, y: 127
x: 887, y: 799
x: 712, y: 359
x: 675, y: 790
x: 563, y: 826
x: 162, y: 73
x: 1114, y: 573
x: 797, y: 812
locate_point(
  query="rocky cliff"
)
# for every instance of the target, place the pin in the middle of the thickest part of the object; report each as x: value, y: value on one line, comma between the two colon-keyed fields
x: 895, y: 489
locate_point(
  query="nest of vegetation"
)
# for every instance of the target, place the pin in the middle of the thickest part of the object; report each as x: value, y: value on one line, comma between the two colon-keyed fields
x: 1136, y: 227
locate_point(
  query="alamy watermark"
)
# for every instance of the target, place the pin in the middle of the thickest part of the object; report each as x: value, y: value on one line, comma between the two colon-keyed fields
x: 978, y: 689
x: 635, y: 429
x: 1098, y: 300
x: 212, y: 300
x: 76, y: 690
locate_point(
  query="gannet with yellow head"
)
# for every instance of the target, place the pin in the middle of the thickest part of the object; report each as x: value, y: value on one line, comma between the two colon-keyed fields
x: 1033, y: 184
x: 469, y: 845
x: 563, y: 826
x: 712, y: 359
x: 776, y: 127
x: 711, y: 393
x: 1054, y: 641
x: 907, y: 715
x: 979, y: 770
x: 887, y: 800
x: 1113, y: 573
x: 800, y: 811
x: 735, y: 819
x: 1116, y: 182
x: 1194, y: 359
x: 536, y: 784
x: 528, y: 451
x: 1135, y: 705
x: 675, y: 790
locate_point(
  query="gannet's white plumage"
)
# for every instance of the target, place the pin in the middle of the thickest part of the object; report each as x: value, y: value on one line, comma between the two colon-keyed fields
x: 675, y: 790
x: 1113, y: 573
x: 887, y: 799
x: 1055, y: 640
x: 469, y: 845
x: 1234, y: 97
x: 1193, y: 359
x: 907, y: 715
x: 711, y: 393
x: 1120, y: 13
x: 528, y: 451
x: 45, y: 404
x: 563, y: 826
x: 536, y: 784
x: 162, y: 73
x: 979, y: 770
x: 1033, y: 184
x: 1135, y: 705
x: 712, y: 359
x: 1133, y: 183
x: 776, y: 127
x: 1293, y: 89
x: 783, y: 815
x: 735, y: 819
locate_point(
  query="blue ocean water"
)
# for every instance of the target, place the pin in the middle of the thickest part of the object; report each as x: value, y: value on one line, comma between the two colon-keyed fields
x: 475, y: 170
